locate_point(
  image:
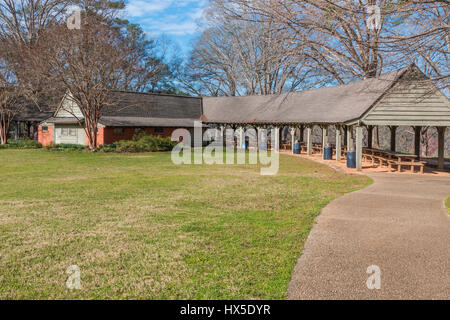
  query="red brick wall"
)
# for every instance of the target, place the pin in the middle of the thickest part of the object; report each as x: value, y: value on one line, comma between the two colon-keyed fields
x: 110, y: 137
x: 105, y: 135
x: 100, y: 137
x: 45, y: 138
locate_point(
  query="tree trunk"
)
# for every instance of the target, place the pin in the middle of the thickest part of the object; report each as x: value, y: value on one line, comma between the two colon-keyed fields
x: 4, y: 130
x: 91, y: 132
x: 3, y: 136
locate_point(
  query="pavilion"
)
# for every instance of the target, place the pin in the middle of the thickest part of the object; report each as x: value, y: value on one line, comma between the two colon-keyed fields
x: 404, y: 97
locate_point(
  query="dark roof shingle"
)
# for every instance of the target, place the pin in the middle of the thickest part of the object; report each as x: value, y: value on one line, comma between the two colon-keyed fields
x: 325, y: 105
x: 149, y: 105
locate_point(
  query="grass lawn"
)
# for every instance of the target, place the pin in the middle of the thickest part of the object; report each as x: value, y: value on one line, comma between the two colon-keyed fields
x: 140, y: 227
x: 448, y: 204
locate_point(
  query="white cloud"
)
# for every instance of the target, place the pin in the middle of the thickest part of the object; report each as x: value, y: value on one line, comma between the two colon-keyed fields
x: 139, y: 8
x: 177, y: 29
x: 170, y: 17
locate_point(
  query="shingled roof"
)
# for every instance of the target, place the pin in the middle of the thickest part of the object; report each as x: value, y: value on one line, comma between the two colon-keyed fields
x: 337, y: 104
x: 134, y: 109
x: 153, y: 105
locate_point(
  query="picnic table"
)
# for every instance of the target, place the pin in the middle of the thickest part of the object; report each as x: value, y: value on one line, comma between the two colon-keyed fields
x: 286, y: 146
x: 392, y: 159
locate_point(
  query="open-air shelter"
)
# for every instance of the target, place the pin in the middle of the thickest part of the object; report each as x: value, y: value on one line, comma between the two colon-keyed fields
x: 404, y: 97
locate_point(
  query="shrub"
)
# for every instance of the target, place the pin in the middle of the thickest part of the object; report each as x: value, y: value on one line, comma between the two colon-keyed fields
x: 145, y: 143
x: 22, y: 144
x: 65, y: 147
x: 108, y: 148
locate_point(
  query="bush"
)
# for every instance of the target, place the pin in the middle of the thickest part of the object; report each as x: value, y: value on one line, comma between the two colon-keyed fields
x: 145, y: 143
x: 65, y: 147
x: 108, y: 148
x: 22, y: 144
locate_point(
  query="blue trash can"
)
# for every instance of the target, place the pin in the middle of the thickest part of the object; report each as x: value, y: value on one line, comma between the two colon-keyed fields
x: 296, y: 148
x: 245, y: 144
x: 351, y: 160
x: 328, y: 153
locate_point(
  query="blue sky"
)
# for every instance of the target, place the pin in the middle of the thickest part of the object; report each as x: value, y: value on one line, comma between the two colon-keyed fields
x: 173, y: 19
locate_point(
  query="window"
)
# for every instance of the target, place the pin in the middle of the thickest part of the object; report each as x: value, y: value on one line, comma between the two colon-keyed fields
x: 64, y: 131
x: 119, y: 131
x: 158, y: 130
x: 72, y: 132
x: 44, y: 128
x: 138, y: 130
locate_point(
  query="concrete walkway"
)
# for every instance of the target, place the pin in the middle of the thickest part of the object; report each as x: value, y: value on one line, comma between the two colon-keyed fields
x: 399, y: 224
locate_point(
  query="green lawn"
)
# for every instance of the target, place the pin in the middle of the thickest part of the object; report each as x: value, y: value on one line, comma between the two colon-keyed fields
x: 448, y: 204
x: 140, y: 227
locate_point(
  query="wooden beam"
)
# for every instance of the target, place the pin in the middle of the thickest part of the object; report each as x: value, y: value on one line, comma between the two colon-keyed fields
x: 441, y: 145
x: 241, y: 137
x: 338, y: 143
x: 369, y: 136
x: 417, y: 131
x: 280, y: 135
x: 350, y: 142
x: 293, y: 130
x: 277, y: 142
x: 393, y: 137
x: 345, y: 136
x: 309, y: 140
x: 324, y: 138
x: 359, y: 142
x: 302, y: 128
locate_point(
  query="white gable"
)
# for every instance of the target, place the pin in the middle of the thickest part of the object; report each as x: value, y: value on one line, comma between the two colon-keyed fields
x: 412, y: 102
x: 69, y: 108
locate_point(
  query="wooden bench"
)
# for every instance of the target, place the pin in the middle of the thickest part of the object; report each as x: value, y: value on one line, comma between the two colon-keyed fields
x: 411, y: 164
x: 369, y: 157
x: 315, y: 149
x: 286, y: 146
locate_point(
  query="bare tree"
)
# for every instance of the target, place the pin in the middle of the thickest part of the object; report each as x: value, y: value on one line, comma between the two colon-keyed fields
x: 12, y: 99
x: 24, y: 20
x: 242, y: 57
x: 424, y: 37
x: 88, y: 63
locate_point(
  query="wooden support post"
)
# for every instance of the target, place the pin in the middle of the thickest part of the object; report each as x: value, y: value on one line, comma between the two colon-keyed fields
x: 349, y: 138
x: 338, y: 143
x: 417, y: 131
x: 324, y: 138
x: 259, y: 137
x: 217, y: 135
x: 292, y: 139
x: 359, y: 143
x: 277, y: 142
x: 345, y: 136
x: 309, y: 140
x: 241, y: 137
x: 393, y: 137
x: 302, y: 138
x: 369, y: 137
x: 280, y: 135
x: 441, y: 146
